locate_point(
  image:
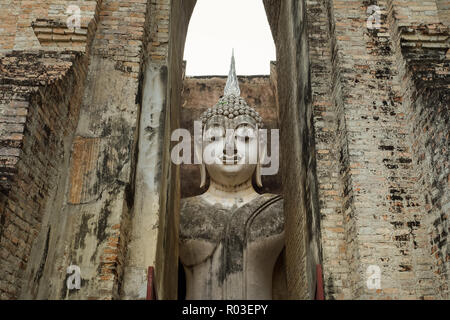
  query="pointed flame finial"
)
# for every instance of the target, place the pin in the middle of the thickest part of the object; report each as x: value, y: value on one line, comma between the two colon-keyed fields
x: 232, y: 87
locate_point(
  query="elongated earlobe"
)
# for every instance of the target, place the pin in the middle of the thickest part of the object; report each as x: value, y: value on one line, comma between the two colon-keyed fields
x: 258, y: 175
x: 202, y: 175
x: 198, y: 149
x: 258, y: 179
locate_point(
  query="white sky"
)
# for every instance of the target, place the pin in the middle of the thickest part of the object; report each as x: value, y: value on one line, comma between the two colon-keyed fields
x: 218, y: 26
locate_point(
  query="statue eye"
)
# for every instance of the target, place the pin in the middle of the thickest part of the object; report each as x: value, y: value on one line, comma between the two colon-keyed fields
x: 214, y: 133
x: 212, y: 138
x: 245, y: 132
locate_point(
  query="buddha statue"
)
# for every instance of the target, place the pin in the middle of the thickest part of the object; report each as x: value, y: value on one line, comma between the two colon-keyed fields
x: 231, y: 236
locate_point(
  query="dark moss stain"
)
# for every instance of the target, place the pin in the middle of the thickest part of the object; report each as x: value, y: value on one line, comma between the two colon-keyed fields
x: 129, y: 195
x: 396, y: 198
x: 2, y: 222
x: 102, y: 224
x: 164, y: 75
x: 139, y: 93
x: 47, y: 130
x: 384, y: 73
x: 391, y: 166
x: 397, y: 224
x: 106, y: 130
x: 111, y: 166
x: 40, y: 271
x: 46, y: 136
x: 150, y: 133
x: 386, y: 148
x: 330, y: 289
x: 103, y: 174
x: 233, y: 255
x: 403, y: 237
x: 82, y: 231
x: 404, y: 268
x: 413, y: 224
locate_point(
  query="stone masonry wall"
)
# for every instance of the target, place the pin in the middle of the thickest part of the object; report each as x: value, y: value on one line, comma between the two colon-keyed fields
x: 365, y: 169
x: 39, y: 113
x: 41, y: 97
x: 41, y: 93
x: 422, y: 50
x: 443, y: 7
x: 382, y: 206
x: 328, y: 141
x: 21, y: 23
x: 87, y: 224
x: 100, y: 185
x: 374, y: 155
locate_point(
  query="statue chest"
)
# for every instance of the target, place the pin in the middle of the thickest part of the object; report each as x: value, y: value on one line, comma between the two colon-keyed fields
x: 228, y: 242
x: 234, y: 229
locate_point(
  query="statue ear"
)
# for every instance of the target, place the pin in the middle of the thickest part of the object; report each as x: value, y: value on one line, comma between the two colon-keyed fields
x: 258, y: 175
x: 198, y: 149
x: 202, y: 175
x: 262, y: 152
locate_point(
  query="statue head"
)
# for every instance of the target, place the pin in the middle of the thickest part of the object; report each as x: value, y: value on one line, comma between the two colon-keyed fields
x: 230, y: 141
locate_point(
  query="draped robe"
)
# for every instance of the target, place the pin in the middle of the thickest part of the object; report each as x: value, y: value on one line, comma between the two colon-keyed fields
x: 231, y: 253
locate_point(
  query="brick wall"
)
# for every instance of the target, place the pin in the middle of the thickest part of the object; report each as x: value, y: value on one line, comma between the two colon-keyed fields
x: 378, y: 96
x: 327, y: 151
x: 41, y: 97
x: 19, y: 22
x: 100, y: 186
x: 36, y: 121
x: 443, y: 7
x: 423, y: 63
x: 374, y: 160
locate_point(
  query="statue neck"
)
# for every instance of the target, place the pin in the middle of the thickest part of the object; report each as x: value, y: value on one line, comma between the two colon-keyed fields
x: 230, y: 196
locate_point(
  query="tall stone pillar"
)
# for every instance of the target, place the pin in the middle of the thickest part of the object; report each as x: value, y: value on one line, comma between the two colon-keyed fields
x: 155, y: 220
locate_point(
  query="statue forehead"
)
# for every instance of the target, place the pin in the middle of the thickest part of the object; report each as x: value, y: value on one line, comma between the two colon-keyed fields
x: 228, y: 123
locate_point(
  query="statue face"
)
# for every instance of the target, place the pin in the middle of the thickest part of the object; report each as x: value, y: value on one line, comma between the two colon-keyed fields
x: 230, y: 149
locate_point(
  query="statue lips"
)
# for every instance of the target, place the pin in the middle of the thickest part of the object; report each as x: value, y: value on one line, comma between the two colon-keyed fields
x: 231, y: 160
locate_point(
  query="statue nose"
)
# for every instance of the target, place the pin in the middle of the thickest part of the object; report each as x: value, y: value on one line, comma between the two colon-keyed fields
x: 229, y: 146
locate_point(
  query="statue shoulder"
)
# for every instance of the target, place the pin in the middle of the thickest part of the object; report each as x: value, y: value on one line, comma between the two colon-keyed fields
x: 276, y: 201
x: 198, y: 219
x: 268, y: 217
x: 192, y: 204
x: 268, y: 208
